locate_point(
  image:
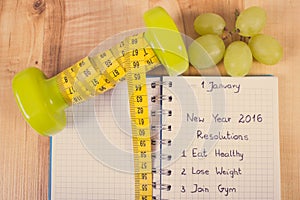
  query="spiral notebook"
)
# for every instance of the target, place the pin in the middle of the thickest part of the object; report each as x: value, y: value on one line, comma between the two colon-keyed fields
x: 213, y: 138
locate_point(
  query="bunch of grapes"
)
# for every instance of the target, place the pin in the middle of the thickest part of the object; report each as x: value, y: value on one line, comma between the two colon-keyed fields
x: 209, y: 49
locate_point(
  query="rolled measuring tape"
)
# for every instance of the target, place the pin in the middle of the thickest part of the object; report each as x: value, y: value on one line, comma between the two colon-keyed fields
x: 42, y: 101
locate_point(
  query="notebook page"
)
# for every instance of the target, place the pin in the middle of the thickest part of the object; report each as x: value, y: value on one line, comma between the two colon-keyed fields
x: 225, y: 138
x: 92, y: 158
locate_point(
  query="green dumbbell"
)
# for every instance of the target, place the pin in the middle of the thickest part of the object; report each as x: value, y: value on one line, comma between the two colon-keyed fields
x: 42, y: 101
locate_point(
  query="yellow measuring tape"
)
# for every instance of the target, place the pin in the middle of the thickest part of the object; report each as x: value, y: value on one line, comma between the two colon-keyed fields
x: 140, y: 122
x: 95, y: 75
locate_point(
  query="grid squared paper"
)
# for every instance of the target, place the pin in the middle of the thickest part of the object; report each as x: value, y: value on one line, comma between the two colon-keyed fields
x: 84, y: 167
x: 255, y: 172
x: 78, y: 172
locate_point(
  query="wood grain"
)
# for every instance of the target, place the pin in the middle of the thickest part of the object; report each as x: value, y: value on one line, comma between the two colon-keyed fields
x: 283, y: 24
x: 23, y: 154
x: 53, y: 34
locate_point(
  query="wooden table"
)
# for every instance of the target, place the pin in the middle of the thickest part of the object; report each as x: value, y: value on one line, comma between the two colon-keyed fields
x: 54, y: 34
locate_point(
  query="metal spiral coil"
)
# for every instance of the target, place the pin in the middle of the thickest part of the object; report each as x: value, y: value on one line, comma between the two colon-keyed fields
x: 165, y: 172
x: 161, y: 112
x: 166, y: 142
x: 161, y: 127
x: 161, y: 98
x: 155, y: 84
x: 162, y: 156
x: 162, y: 186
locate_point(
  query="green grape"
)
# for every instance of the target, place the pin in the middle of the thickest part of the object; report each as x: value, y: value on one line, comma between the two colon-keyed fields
x: 266, y: 49
x: 251, y: 21
x: 238, y: 59
x: 209, y: 23
x: 206, y: 51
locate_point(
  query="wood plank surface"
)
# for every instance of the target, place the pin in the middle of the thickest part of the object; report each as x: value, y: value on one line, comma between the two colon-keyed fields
x: 53, y: 34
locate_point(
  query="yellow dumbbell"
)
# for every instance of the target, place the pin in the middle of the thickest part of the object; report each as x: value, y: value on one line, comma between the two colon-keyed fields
x: 43, y: 101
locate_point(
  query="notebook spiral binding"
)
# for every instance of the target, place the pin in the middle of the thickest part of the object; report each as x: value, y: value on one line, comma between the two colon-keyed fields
x: 166, y: 142
x: 155, y: 84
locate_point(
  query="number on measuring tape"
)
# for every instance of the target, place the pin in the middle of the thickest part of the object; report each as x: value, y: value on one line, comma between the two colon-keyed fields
x: 141, y: 135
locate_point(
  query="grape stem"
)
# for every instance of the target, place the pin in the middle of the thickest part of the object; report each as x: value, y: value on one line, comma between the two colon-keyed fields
x: 227, y: 34
x: 236, y: 14
x: 244, y: 39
